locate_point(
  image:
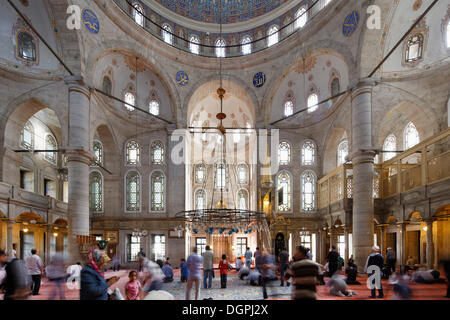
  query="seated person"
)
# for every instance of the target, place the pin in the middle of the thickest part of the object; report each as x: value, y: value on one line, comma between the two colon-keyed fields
x: 255, y: 278
x: 400, y: 287
x: 339, y: 287
x: 243, y: 272
x: 168, y: 272
x: 327, y: 270
x: 239, y: 264
x: 320, y: 276
x: 351, y: 272
x: 409, y: 264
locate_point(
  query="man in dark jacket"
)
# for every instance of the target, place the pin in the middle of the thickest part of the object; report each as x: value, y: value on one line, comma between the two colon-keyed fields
x: 390, y: 260
x: 375, y: 259
x: 17, y: 284
x: 333, y: 261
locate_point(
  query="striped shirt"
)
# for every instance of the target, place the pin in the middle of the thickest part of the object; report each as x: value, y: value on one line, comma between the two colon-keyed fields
x: 304, y: 274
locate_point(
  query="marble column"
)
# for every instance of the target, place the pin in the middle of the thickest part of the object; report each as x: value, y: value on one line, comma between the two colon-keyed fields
x: 47, y: 244
x: 320, y: 234
x: 9, y: 237
x: 403, y: 256
x: 347, y: 253
x: 383, y: 239
x: 332, y: 237
x: 78, y: 157
x: 362, y: 156
x: 430, y: 245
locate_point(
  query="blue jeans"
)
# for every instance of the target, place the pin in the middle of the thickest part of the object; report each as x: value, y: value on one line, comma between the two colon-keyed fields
x: 248, y: 263
x: 207, y: 274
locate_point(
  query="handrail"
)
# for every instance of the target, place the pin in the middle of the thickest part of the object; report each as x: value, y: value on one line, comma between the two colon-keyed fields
x: 127, y: 7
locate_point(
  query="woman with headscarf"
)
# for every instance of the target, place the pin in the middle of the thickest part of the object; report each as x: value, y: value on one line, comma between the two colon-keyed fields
x: 93, y: 284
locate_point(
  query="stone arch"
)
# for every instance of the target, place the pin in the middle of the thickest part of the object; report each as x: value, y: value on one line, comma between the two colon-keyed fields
x: 29, y: 217
x: 391, y: 220
x: 334, y: 138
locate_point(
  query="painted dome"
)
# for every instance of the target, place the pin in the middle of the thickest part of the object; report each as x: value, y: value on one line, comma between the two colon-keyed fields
x: 232, y: 10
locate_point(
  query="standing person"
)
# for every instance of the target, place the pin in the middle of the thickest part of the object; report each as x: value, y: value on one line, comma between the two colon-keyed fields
x: 224, y: 266
x: 140, y: 254
x: 115, y: 263
x: 184, y: 271
x: 14, y: 251
x: 93, y: 285
x: 333, y: 261
x: 446, y: 266
x: 248, y: 258
x: 390, y: 260
x: 14, y: 278
x: 283, y: 259
x: 168, y: 272
x: 375, y: 259
x: 304, y: 273
x: 153, y: 276
x: 194, y: 264
x: 267, y: 270
x: 57, y: 276
x: 257, y: 253
x: 3, y: 260
x: 35, y: 269
x: 208, y: 267
x: 74, y: 273
x: 239, y: 264
x: 133, y: 287
x: 309, y: 254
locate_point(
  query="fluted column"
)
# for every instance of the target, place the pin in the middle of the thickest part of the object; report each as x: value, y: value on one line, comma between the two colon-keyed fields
x: 362, y: 157
x: 78, y: 161
x: 430, y: 245
x: 9, y: 237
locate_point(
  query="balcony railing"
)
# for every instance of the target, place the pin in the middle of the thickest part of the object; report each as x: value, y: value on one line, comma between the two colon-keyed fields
x: 425, y: 164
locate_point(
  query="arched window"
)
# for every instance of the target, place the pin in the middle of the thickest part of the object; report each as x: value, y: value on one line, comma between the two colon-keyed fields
x: 200, y: 199
x: 221, y: 176
x: 301, y: 17
x: 130, y: 100
x: 157, y: 189
x: 274, y: 36
x: 50, y: 144
x: 448, y: 34
x: 284, y: 153
x: 157, y: 151
x: 200, y: 173
x: 242, y: 172
x: 220, y: 48
x: 342, y: 152
x: 246, y: 45
x: 167, y: 34
x: 133, y: 191
x: 194, y: 47
x: 284, y: 192
x: 308, y: 182
x: 390, y: 144
x: 308, y: 154
x: 313, y: 100
x: 27, y: 136
x: 133, y: 153
x: 153, y: 107
x: 242, y: 200
x: 414, y: 48
x: 107, y: 85
x: 411, y: 136
x: 138, y: 14
x: 26, y: 46
x: 335, y: 87
x: 98, y: 152
x: 288, y: 108
x: 95, y: 192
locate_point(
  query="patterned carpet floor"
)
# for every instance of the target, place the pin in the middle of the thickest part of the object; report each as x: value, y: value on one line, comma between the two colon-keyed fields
x: 240, y: 290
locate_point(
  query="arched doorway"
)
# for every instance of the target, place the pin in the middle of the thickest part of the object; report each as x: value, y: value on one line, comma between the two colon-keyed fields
x: 29, y: 233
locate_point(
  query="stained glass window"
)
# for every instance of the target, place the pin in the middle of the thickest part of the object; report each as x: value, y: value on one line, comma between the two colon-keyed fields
x: 26, y: 46
x: 284, y: 192
x: 133, y: 191
x: 98, y: 152
x: 246, y: 45
x: 167, y: 34
x: 157, y: 152
x: 133, y: 153
x: 342, y: 152
x: 301, y: 17
x: 390, y: 144
x: 243, y: 199
x: 313, y: 100
x: 308, y: 153
x: 138, y: 14
x: 157, y: 189
x: 308, y: 191
x: 200, y: 199
x: 200, y: 173
x: 130, y: 99
x: 411, y: 136
x: 107, y: 85
x: 288, y: 108
x: 221, y: 176
x: 414, y: 48
x: 242, y: 174
x: 95, y: 192
x: 50, y: 144
x: 220, y: 48
x: 284, y: 153
x: 194, y: 45
x: 27, y: 136
x: 274, y: 36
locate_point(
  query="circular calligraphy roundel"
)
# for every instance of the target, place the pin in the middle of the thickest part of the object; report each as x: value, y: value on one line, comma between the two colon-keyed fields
x: 350, y: 24
x: 90, y: 20
x: 182, y: 78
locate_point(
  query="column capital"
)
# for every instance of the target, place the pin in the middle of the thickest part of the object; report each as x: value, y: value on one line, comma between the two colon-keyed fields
x: 77, y: 84
x: 79, y: 155
x: 362, y: 156
x: 10, y: 223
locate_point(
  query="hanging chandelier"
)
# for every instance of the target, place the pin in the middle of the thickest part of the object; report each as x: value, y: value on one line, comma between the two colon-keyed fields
x: 219, y: 219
